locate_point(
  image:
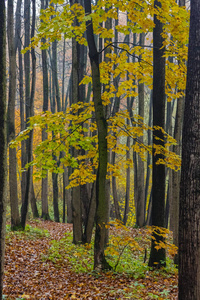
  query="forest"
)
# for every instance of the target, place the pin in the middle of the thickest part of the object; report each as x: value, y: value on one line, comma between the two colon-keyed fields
x: 99, y: 149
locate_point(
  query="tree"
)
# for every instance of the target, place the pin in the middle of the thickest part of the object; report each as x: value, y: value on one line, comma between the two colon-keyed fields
x: 15, y: 219
x: 45, y: 211
x: 158, y: 180
x: 101, y: 199
x: 189, y: 222
x: 3, y: 143
x: 18, y: 44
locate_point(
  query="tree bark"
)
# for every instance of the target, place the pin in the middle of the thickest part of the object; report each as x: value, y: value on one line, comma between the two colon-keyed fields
x: 189, y: 216
x: 157, y: 257
x: 102, y: 203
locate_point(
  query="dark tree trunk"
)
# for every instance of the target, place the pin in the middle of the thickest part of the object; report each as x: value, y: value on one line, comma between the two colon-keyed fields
x: 56, y: 100
x: 91, y: 216
x: 15, y: 219
x: 76, y: 191
x: 29, y: 107
x: 102, y: 203
x: 140, y: 213
x: 24, y: 207
x: 148, y: 159
x: 3, y: 143
x: 44, y: 194
x: 33, y: 58
x: 18, y: 45
x: 174, y: 208
x: 189, y: 222
x: 157, y: 257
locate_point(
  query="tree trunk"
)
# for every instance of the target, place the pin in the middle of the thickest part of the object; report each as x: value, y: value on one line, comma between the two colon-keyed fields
x: 29, y: 108
x: 44, y: 194
x: 24, y: 207
x: 102, y: 203
x: 189, y: 222
x: 15, y: 219
x: 56, y: 100
x: 33, y: 201
x: 174, y: 209
x: 148, y: 173
x: 18, y: 45
x: 140, y: 214
x: 3, y: 143
x: 157, y: 257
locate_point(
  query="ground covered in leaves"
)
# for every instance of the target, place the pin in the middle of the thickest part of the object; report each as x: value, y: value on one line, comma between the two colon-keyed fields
x: 39, y: 264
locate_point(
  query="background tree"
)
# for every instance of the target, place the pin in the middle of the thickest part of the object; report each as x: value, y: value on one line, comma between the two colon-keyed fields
x: 15, y: 219
x: 158, y: 178
x: 189, y: 223
x: 3, y: 150
x: 45, y: 209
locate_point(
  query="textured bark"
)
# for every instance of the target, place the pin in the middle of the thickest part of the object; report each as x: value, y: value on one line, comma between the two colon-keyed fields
x: 3, y: 143
x: 189, y: 216
x: 102, y: 203
x: 15, y: 219
x: 157, y: 257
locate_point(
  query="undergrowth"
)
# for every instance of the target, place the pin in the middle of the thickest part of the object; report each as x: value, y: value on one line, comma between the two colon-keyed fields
x: 30, y: 232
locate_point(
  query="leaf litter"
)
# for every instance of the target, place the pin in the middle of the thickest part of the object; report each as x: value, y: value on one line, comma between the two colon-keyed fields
x: 28, y: 276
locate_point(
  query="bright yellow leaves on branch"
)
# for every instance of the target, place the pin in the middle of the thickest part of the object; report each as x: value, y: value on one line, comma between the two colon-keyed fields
x: 76, y: 128
x: 122, y: 238
x: 59, y: 22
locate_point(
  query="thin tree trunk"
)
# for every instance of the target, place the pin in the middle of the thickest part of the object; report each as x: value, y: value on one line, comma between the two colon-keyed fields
x: 3, y: 143
x: 29, y: 113
x: 140, y: 215
x: 148, y: 157
x: 15, y: 219
x: 56, y: 96
x: 44, y: 194
x: 18, y: 46
x: 24, y: 207
x: 174, y: 212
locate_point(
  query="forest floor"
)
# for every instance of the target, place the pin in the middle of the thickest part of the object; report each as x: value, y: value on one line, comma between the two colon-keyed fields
x: 32, y: 271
